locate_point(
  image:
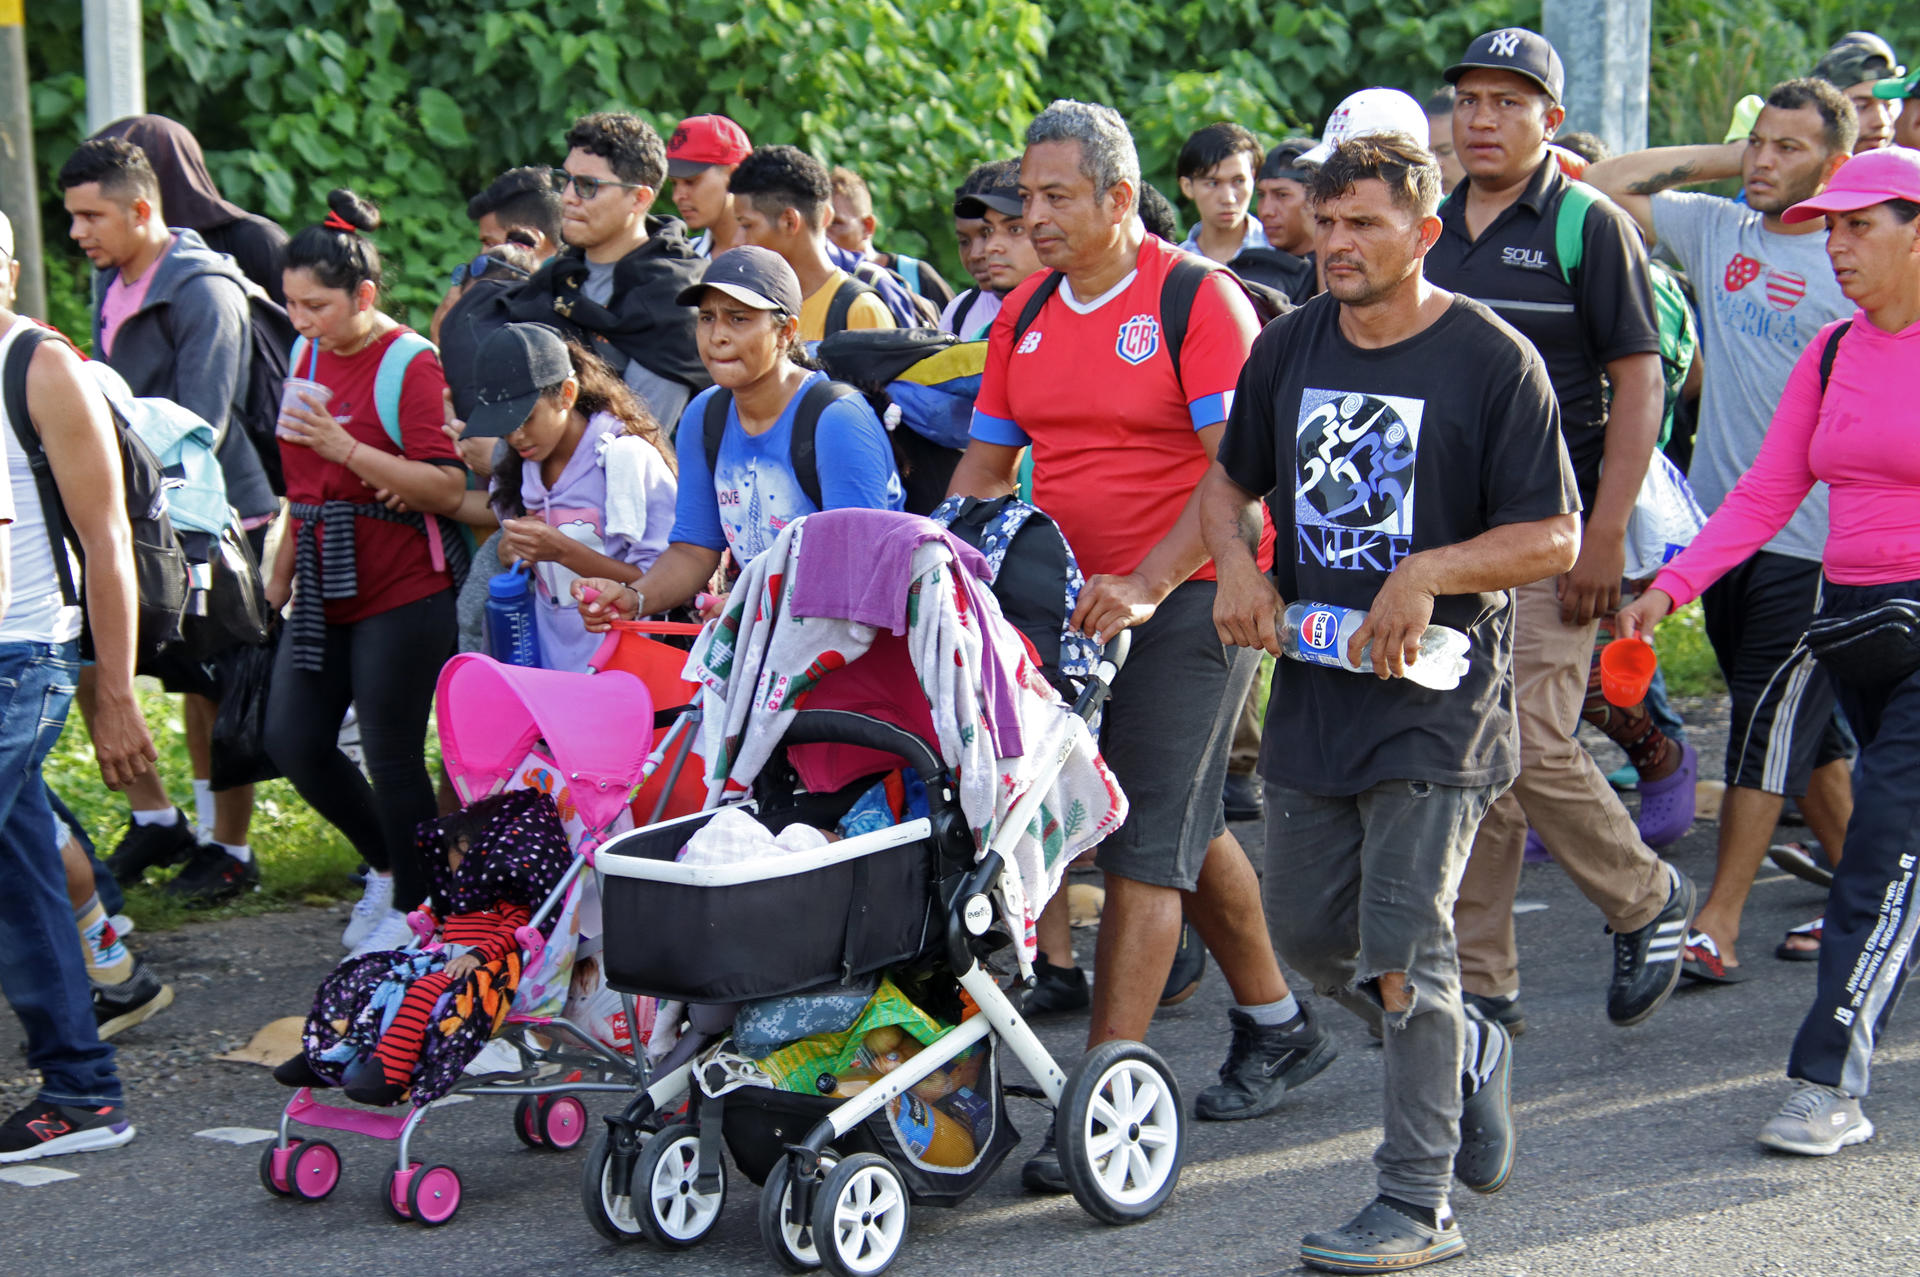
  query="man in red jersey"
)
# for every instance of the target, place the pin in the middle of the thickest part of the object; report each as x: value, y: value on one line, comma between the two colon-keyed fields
x: 1121, y: 379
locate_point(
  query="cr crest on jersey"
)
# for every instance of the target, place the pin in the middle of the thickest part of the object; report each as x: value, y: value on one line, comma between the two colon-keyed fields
x: 1139, y: 338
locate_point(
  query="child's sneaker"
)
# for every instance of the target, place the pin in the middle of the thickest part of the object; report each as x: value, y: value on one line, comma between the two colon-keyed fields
x: 42, y: 1129
x: 138, y: 997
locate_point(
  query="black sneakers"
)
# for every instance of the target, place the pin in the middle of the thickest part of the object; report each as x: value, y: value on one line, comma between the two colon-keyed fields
x: 213, y: 876
x: 121, y: 1006
x: 42, y: 1129
x: 1263, y: 1064
x: 1505, y: 1012
x: 1042, y: 1173
x: 147, y: 847
x: 1189, y: 964
x: 1243, y: 797
x: 1055, y: 991
x: 1646, y: 963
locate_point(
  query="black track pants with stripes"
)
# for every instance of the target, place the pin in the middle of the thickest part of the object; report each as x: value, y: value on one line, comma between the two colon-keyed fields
x: 1873, y: 910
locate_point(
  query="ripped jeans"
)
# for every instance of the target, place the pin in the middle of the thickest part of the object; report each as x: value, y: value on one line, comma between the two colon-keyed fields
x: 1360, y: 885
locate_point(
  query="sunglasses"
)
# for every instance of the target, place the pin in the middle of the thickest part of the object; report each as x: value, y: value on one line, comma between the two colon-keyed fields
x: 589, y: 187
x: 470, y: 272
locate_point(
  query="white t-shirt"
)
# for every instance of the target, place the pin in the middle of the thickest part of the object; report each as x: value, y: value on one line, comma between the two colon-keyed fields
x: 35, y: 612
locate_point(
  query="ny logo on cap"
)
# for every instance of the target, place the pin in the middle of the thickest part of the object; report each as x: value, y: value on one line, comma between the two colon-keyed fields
x: 1506, y: 43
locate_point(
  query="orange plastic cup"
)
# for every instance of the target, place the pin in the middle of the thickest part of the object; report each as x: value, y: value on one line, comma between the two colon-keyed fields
x: 1626, y: 671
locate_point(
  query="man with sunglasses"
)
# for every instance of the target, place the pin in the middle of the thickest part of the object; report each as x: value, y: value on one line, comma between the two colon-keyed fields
x: 615, y: 285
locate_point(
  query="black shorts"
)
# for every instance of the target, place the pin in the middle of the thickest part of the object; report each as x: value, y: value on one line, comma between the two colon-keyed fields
x: 1166, y: 735
x: 1784, y: 722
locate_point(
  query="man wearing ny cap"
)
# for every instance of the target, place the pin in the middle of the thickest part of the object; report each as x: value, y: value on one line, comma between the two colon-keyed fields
x: 1856, y: 64
x: 1501, y: 243
x: 1007, y: 252
x: 701, y: 156
x: 1904, y: 89
x: 1765, y: 288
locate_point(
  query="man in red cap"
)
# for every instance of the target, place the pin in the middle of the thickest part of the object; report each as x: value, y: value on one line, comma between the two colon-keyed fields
x: 701, y: 156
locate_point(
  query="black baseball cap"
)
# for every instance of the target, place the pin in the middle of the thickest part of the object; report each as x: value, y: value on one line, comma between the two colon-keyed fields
x: 1518, y: 50
x: 514, y: 366
x: 1855, y: 57
x: 1004, y: 200
x: 1283, y: 161
x: 752, y: 276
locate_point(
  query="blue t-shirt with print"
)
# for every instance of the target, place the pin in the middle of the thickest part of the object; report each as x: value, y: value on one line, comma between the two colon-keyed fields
x: 755, y: 493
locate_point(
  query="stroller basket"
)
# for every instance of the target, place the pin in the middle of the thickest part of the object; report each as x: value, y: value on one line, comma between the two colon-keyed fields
x: 727, y: 933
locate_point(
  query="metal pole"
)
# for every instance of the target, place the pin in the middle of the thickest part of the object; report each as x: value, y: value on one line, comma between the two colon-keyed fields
x: 116, y: 69
x: 1605, y: 45
x: 19, y: 192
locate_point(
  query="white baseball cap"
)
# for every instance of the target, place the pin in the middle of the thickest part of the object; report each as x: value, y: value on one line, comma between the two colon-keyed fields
x: 1366, y: 113
x: 6, y: 237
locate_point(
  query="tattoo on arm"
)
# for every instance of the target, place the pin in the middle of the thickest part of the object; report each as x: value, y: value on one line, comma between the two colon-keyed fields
x: 1248, y: 525
x: 1678, y: 175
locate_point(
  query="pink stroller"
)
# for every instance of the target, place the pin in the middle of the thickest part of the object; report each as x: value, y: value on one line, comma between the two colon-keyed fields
x: 504, y: 727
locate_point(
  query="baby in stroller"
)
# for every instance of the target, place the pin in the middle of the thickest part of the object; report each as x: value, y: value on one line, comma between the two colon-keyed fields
x: 402, y: 1021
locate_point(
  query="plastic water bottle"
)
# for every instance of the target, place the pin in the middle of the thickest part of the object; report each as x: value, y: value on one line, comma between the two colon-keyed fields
x: 1317, y: 634
x: 512, y: 637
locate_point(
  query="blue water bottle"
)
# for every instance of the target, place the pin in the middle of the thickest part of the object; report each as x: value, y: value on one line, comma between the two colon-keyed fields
x: 512, y: 637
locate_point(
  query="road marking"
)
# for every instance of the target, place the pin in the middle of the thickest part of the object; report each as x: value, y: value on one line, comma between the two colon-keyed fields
x: 34, y: 1176
x: 236, y: 1134
x: 445, y: 1100
x: 1529, y: 906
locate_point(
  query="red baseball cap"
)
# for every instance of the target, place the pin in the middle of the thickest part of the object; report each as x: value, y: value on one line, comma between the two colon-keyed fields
x: 703, y: 140
x: 1872, y: 177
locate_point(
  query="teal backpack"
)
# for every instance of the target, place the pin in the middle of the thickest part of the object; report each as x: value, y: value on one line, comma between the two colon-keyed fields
x: 1679, y: 336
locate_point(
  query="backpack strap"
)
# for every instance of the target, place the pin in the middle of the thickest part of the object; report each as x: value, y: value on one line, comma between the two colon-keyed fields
x: 1570, y: 226
x: 840, y: 308
x: 814, y: 400
x: 908, y: 269
x: 302, y: 352
x: 806, y: 424
x: 391, y: 380
x: 52, y: 509
x: 1177, y: 294
x: 1035, y: 300
x: 962, y: 309
x: 1827, y: 356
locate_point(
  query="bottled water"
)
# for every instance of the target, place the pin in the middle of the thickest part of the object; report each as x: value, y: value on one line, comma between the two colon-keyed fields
x: 1317, y: 634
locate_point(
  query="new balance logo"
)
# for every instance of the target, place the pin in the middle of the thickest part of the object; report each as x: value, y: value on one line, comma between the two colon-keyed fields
x: 1505, y: 43
x: 1028, y: 344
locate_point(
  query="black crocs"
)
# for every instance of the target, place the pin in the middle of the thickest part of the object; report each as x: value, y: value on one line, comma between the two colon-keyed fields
x: 1485, y: 1157
x: 1381, y: 1239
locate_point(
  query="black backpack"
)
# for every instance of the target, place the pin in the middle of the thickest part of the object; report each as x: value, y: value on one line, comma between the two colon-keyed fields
x: 1177, y: 292
x: 850, y: 291
x: 271, y: 335
x: 806, y: 424
x: 159, y: 561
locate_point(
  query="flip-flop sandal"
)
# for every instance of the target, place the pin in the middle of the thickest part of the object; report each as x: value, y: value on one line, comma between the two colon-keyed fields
x: 1788, y: 952
x: 1701, y: 960
x: 1805, y: 861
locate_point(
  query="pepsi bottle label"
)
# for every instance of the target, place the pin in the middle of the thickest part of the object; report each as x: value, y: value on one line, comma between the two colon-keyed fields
x: 1320, y: 637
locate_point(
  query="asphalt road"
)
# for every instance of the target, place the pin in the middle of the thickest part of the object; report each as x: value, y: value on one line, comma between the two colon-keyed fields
x: 1636, y: 1154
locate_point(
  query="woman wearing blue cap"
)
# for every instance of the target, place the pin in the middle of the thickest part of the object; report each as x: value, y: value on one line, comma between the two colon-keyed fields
x: 742, y: 477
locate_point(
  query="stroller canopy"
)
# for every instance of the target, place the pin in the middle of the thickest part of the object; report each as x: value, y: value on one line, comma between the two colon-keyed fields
x: 598, y: 729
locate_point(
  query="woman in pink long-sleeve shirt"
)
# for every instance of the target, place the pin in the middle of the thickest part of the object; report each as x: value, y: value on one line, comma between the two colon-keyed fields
x: 1860, y: 435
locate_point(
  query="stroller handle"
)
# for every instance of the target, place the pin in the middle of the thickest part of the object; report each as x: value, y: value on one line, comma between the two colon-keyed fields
x: 1100, y: 683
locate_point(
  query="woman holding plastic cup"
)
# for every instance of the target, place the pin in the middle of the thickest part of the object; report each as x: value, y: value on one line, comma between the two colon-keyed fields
x: 1848, y: 419
x: 372, y: 587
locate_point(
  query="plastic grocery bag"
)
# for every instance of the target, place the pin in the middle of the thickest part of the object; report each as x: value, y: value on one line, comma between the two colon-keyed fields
x: 1665, y: 519
x: 239, y: 745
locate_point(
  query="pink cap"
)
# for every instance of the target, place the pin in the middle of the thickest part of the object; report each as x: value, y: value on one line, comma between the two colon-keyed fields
x: 1872, y: 177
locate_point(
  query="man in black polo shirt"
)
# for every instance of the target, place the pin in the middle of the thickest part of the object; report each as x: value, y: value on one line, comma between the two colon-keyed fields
x: 1594, y: 326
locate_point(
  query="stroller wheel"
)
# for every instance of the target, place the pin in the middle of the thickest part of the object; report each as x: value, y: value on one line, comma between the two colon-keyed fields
x: 609, y: 1205
x: 672, y: 1210
x: 1119, y: 1132
x: 860, y: 1216
x: 433, y: 1195
x: 789, y: 1242
x: 563, y: 1121
x: 313, y: 1170
x: 393, y: 1192
x: 526, y: 1122
x: 274, y: 1161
